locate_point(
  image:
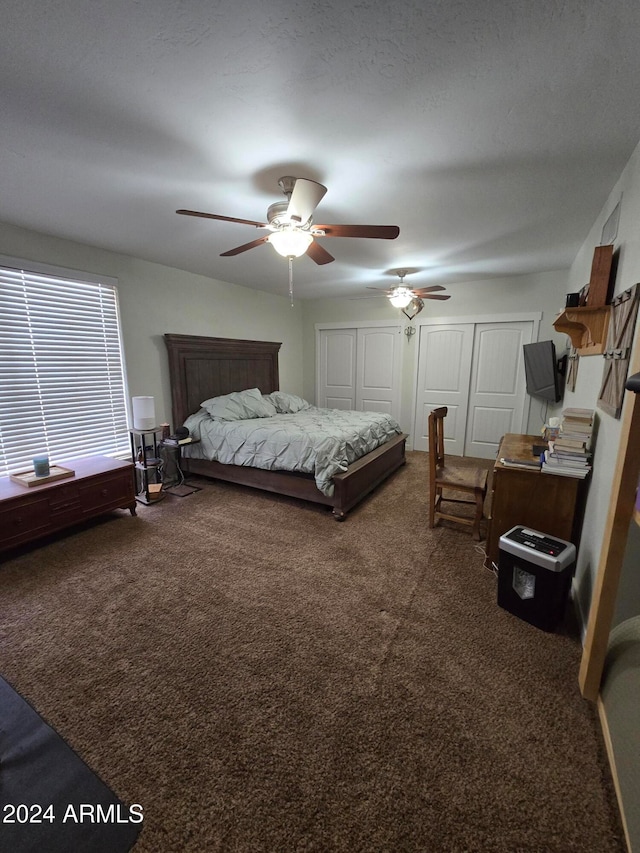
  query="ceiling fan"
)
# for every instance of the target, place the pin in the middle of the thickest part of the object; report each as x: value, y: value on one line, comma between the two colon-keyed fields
x: 290, y: 222
x: 411, y: 298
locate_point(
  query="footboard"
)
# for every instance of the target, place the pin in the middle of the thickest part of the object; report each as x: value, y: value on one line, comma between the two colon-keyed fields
x: 367, y: 473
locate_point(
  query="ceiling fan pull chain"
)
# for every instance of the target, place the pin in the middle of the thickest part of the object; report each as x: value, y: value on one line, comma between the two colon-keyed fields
x: 291, y: 280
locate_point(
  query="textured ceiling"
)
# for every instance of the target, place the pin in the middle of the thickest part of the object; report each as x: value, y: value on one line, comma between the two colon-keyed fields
x: 490, y: 132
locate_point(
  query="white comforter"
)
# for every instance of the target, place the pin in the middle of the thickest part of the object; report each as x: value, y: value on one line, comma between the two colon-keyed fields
x: 315, y: 441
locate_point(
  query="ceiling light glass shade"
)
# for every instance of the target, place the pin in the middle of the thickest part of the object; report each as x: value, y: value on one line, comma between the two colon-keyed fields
x: 401, y: 297
x: 290, y: 244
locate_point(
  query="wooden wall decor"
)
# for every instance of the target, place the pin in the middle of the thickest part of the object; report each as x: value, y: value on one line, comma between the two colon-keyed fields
x: 600, y: 282
x: 573, y: 360
x: 617, y: 353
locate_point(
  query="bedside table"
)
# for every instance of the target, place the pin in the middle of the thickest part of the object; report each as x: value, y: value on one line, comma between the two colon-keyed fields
x: 144, y: 443
x: 173, y: 452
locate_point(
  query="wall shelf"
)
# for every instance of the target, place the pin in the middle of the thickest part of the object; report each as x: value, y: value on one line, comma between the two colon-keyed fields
x: 587, y: 328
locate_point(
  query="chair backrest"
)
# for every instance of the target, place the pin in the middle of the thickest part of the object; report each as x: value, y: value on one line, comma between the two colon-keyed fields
x: 436, y: 440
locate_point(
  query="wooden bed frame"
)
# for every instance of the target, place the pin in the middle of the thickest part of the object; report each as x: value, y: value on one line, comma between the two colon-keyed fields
x: 202, y: 367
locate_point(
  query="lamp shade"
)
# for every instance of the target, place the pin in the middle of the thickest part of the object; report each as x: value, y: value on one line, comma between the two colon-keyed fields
x: 290, y: 244
x: 401, y: 297
x: 144, y: 412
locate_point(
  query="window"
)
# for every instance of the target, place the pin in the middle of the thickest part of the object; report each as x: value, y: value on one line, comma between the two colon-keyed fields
x: 62, y: 385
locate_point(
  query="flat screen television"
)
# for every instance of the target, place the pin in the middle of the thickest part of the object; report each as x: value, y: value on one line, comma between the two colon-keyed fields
x: 544, y: 378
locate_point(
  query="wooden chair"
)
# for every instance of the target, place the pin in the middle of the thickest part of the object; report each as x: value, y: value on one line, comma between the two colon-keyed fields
x: 472, y: 481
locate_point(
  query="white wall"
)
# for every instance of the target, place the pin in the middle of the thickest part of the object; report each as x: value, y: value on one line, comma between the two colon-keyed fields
x: 544, y: 292
x: 155, y: 300
x: 619, y: 689
x: 590, y: 371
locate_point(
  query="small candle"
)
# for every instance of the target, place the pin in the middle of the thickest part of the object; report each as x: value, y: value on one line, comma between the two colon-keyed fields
x: 41, y: 466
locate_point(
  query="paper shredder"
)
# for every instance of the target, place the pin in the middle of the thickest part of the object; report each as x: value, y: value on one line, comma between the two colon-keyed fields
x: 534, y: 576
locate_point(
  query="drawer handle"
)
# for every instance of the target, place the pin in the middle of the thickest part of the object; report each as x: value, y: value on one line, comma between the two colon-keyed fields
x: 104, y: 492
x: 18, y: 519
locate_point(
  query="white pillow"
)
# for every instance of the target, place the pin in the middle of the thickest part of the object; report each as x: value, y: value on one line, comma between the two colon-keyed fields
x: 240, y: 406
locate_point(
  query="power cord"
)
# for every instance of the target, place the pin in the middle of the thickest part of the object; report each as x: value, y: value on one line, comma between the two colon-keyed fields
x: 485, y: 557
x: 179, y: 470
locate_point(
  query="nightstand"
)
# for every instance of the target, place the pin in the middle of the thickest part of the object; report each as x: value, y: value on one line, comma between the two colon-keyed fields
x: 144, y: 453
x: 172, y: 456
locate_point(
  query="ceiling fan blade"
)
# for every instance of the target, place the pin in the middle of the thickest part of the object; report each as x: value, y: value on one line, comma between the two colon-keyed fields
x: 379, y: 232
x: 304, y: 199
x: 319, y: 254
x: 223, y: 218
x: 239, y: 249
x: 419, y: 293
x: 430, y: 289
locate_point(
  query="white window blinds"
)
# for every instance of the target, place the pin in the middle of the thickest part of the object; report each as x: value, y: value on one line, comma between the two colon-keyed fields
x: 62, y: 386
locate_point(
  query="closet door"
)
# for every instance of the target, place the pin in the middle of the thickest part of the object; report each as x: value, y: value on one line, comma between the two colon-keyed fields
x: 477, y: 371
x: 497, y: 392
x: 378, y: 370
x: 337, y: 369
x: 444, y: 369
x: 360, y: 368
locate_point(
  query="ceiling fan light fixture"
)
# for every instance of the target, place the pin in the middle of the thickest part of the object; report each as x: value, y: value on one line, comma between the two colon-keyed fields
x: 290, y: 244
x: 401, y: 297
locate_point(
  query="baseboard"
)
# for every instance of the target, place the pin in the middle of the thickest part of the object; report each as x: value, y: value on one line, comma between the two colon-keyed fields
x: 604, y: 725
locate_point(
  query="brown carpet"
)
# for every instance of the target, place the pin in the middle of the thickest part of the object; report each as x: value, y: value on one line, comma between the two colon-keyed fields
x: 260, y: 677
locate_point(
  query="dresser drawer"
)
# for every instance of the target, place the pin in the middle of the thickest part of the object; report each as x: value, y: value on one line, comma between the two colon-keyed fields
x: 64, y: 504
x: 110, y: 491
x: 20, y: 522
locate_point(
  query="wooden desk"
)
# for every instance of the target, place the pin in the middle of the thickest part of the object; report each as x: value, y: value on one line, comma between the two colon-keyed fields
x: 544, y: 502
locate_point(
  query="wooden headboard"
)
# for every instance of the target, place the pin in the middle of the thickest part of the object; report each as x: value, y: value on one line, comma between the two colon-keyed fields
x: 201, y: 367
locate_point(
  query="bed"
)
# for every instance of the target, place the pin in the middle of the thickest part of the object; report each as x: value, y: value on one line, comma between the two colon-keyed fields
x: 201, y: 368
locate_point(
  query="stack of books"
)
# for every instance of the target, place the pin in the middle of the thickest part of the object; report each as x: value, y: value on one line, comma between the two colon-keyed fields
x: 577, y: 425
x: 569, y: 455
x: 175, y: 441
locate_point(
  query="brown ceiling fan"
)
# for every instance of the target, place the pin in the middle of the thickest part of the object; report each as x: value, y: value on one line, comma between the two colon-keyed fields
x: 290, y: 222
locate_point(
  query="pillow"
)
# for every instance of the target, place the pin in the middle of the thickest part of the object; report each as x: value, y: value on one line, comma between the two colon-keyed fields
x: 240, y: 406
x: 287, y: 404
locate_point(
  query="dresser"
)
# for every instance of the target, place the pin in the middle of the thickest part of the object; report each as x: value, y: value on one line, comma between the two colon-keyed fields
x: 528, y: 496
x: 99, y: 485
